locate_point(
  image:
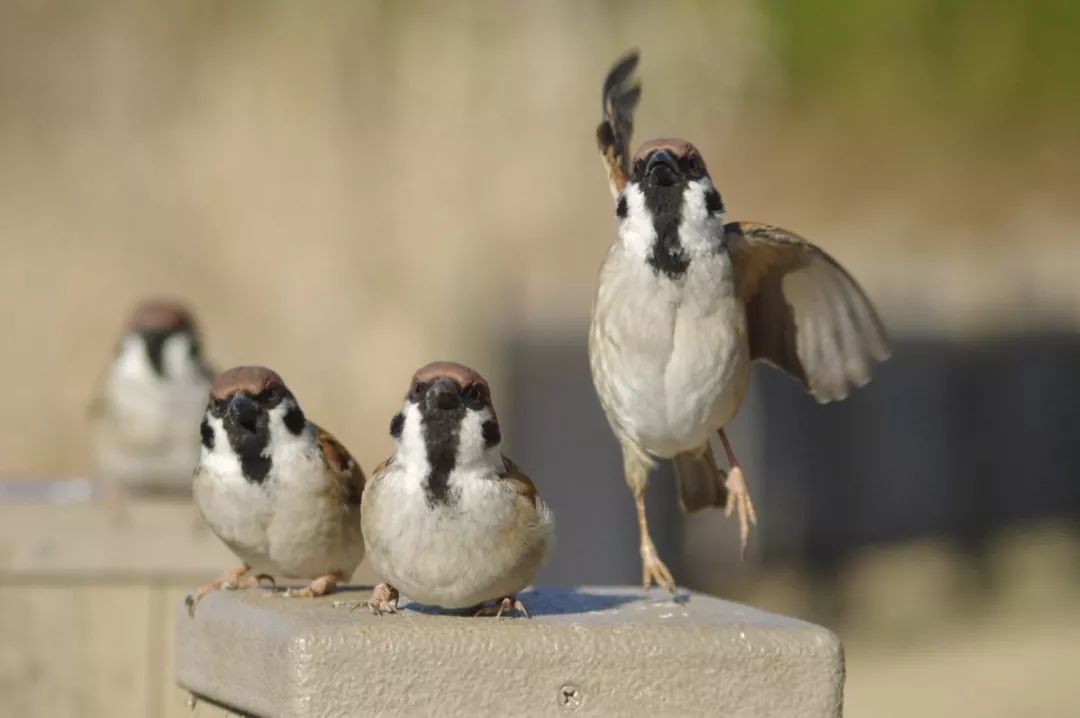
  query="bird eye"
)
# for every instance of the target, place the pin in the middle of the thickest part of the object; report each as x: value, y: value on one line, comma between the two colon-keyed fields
x: 474, y: 395
x: 694, y: 164
x: 418, y: 388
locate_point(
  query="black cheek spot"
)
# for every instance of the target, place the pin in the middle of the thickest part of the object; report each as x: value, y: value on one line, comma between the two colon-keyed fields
x: 397, y: 424
x: 491, y: 433
x: 207, y: 434
x: 713, y: 203
x: 294, y: 420
x: 620, y: 208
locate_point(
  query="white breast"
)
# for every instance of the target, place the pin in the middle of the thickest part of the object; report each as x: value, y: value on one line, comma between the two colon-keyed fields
x: 477, y: 547
x: 669, y: 357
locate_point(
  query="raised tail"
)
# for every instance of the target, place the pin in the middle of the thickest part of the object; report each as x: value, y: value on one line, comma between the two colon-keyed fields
x: 701, y: 481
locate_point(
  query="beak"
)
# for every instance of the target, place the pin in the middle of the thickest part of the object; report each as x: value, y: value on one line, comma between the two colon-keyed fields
x: 443, y: 395
x: 662, y: 168
x: 245, y: 411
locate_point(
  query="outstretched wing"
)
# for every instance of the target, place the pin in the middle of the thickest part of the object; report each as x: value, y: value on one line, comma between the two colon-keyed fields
x: 619, y: 98
x: 805, y: 314
x: 343, y: 466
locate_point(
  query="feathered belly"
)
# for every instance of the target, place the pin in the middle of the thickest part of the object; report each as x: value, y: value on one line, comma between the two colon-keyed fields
x: 669, y: 396
x: 453, y: 555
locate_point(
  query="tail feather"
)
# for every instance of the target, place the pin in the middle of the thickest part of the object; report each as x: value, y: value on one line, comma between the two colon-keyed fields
x: 701, y: 481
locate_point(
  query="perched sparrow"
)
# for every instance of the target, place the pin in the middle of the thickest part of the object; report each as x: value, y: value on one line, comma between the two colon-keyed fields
x: 282, y: 493
x: 448, y: 519
x: 145, y: 413
x: 687, y: 301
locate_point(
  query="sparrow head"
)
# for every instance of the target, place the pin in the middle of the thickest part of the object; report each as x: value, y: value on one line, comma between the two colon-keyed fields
x: 447, y: 421
x: 161, y: 341
x: 251, y: 413
x: 668, y: 162
x: 670, y: 207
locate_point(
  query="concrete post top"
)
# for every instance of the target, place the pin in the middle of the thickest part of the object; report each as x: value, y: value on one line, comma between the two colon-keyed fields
x: 593, y: 651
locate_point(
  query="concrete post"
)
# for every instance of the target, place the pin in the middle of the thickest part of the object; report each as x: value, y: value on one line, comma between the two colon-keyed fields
x: 588, y: 651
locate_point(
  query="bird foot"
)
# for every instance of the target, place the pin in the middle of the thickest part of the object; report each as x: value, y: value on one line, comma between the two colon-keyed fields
x: 739, y: 501
x: 507, y: 604
x: 653, y: 570
x: 384, y: 599
x: 319, y: 587
x: 232, y: 580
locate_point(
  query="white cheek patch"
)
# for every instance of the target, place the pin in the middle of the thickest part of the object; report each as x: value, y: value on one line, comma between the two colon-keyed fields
x: 636, y: 231
x: 176, y: 356
x: 411, y: 447
x: 472, y: 445
x: 221, y: 459
x: 285, y: 445
x: 471, y: 435
x: 132, y: 361
x: 693, y: 209
x: 699, y: 230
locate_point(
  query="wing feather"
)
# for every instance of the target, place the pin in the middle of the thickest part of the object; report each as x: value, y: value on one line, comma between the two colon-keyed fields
x: 619, y: 99
x: 521, y: 483
x: 342, y: 465
x: 805, y: 314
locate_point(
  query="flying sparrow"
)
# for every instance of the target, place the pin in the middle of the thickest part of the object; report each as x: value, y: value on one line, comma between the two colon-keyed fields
x: 686, y: 302
x: 282, y: 493
x: 448, y: 519
x: 145, y: 412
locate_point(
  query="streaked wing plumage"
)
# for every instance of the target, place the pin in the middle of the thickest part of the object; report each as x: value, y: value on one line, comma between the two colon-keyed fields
x: 805, y: 313
x: 342, y: 465
x: 522, y: 484
x: 619, y: 98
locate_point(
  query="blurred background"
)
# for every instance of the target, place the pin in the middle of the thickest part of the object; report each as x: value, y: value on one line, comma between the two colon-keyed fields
x: 347, y: 190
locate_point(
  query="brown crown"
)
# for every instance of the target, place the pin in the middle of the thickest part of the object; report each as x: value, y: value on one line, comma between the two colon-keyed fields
x: 674, y: 145
x: 160, y: 315
x: 460, y: 373
x: 247, y: 379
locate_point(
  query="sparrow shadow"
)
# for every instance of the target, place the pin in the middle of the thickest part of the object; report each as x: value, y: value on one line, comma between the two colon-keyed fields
x: 559, y: 602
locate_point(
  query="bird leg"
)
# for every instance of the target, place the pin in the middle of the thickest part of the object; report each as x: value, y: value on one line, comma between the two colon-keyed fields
x: 320, y: 586
x: 738, y: 495
x: 653, y: 569
x: 384, y: 598
x: 231, y: 580
x: 505, y: 604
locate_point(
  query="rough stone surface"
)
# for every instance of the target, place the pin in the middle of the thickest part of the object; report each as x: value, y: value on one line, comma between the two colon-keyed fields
x: 588, y: 651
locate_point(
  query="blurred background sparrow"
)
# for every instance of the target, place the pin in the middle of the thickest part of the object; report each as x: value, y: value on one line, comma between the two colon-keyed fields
x: 146, y: 409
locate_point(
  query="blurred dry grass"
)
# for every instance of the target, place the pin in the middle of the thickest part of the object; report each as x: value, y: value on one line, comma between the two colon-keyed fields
x: 347, y: 190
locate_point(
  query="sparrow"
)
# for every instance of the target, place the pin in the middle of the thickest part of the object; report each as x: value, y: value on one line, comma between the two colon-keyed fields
x: 145, y: 412
x: 281, y: 492
x: 449, y: 520
x: 686, y: 301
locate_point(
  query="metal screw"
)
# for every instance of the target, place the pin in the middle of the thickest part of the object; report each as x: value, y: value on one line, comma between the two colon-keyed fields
x: 570, y: 697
